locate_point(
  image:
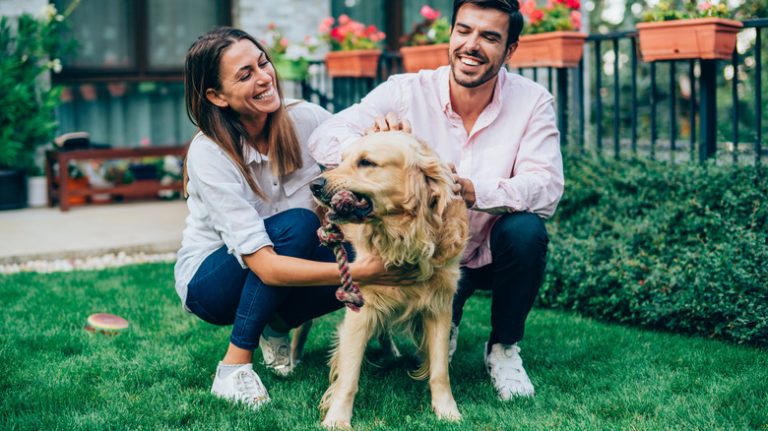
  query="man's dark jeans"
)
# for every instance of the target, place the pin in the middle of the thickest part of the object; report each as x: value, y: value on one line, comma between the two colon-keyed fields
x: 519, y: 249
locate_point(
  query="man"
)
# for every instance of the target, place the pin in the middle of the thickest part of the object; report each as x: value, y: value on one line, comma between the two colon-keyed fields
x: 499, y: 131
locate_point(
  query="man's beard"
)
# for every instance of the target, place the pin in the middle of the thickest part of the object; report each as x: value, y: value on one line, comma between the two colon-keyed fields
x: 489, y: 74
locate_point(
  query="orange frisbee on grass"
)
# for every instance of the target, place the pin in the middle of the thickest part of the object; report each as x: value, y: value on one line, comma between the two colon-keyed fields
x: 105, y: 323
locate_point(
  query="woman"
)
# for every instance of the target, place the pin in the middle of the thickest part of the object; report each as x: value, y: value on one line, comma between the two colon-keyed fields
x: 250, y: 239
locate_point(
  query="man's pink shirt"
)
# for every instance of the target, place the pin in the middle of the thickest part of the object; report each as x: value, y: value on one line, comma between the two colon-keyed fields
x: 512, y: 155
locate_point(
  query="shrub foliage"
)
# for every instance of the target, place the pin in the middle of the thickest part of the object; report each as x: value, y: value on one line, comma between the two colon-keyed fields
x: 678, y: 248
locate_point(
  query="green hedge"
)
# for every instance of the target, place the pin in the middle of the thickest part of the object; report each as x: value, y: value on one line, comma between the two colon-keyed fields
x: 680, y: 248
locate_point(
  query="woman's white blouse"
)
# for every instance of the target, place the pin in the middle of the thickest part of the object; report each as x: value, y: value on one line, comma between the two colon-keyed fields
x: 223, y: 210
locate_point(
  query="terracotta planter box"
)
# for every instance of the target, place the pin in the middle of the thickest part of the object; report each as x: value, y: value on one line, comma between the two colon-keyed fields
x: 416, y: 58
x: 553, y: 49
x: 684, y: 39
x: 353, y: 64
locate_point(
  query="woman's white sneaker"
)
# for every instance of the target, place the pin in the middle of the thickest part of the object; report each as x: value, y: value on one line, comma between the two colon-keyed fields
x: 505, y: 366
x: 242, y: 385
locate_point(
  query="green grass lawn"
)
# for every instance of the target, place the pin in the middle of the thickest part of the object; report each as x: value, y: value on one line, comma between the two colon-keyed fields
x: 588, y: 375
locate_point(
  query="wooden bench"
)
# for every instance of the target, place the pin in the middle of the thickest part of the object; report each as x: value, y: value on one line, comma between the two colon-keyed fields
x: 59, y: 183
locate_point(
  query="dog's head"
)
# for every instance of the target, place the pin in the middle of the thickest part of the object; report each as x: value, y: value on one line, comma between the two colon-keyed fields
x: 401, y: 190
x: 385, y: 174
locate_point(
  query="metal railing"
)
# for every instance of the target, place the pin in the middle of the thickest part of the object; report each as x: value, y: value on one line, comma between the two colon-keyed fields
x: 615, y: 104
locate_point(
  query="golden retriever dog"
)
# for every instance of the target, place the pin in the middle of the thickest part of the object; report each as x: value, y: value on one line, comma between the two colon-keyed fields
x: 405, y: 212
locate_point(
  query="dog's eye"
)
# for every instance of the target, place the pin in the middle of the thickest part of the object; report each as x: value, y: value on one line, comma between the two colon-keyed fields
x: 365, y: 163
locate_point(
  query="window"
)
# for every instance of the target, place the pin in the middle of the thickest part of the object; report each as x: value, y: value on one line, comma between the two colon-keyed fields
x: 124, y: 84
x: 137, y: 39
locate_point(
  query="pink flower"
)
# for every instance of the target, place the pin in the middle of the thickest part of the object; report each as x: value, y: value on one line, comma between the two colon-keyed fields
x: 271, y: 26
x: 429, y: 13
x: 325, y: 25
x: 378, y: 36
x: 527, y: 7
x: 576, y: 19
x: 705, y: 6
x: 357, y: 28
x: 344, y: 19
x: 283, y: 42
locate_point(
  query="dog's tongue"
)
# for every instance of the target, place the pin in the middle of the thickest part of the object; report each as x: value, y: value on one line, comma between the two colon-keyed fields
x: 345, y: 204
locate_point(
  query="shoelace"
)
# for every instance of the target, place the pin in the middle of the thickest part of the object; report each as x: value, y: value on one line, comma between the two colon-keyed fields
x: 249, y: 386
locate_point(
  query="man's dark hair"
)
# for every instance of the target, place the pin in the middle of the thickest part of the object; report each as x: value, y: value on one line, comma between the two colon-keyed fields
x: 509, y: 7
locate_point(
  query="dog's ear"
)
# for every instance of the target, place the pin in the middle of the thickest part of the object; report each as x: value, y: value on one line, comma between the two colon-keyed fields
x: 438, y: 179
x: 446, y: 211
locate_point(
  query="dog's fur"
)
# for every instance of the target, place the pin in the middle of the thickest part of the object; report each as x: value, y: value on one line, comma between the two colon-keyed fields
x: 416, y: 224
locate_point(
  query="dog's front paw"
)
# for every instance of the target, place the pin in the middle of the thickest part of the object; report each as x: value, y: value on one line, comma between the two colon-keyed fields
x: 336, y: 423
x: 447, y: 412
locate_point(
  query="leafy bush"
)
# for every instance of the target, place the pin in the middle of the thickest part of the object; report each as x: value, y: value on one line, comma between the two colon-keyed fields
x: 28, y: 50
x: 679, y: 248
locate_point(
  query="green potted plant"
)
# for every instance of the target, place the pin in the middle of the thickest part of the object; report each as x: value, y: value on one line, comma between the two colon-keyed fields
x: 354, y: 47
x: 702, y: 29
x: 426, y: 46
x: 30, y: 49
x: 291, y: 60
x: 551, y: 35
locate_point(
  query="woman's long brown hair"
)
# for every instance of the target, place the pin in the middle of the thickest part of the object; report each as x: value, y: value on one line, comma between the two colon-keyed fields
x: 222, y: 125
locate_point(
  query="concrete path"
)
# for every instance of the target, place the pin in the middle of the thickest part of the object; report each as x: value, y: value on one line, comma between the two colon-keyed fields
x: 91, y: 230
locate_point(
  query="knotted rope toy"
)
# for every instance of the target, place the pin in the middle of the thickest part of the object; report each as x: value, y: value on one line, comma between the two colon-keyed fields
x: 330, y: 235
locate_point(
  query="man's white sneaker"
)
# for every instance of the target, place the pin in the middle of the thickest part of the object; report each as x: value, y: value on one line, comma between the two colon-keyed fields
x: 277, y: 354
x: 505, y: 366
x: 453, y: 340
x: 242, y: 385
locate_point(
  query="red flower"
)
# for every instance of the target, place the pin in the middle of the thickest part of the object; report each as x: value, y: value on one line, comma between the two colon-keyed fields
x: 573, y: 4
x: 336, y: 34
x: 536, y: 16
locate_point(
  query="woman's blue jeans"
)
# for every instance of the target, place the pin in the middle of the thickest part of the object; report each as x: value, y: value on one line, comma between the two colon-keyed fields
x: 223, y: 293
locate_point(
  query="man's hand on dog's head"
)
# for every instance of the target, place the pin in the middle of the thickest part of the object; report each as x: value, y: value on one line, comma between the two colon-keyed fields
x: 463, y: 187
x: 389, y: 122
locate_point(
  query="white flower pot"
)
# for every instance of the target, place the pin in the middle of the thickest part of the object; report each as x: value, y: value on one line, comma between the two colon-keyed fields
x: 37, y: 192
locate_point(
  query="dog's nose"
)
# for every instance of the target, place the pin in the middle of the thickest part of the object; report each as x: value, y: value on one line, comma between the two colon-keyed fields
x: 317, y: 185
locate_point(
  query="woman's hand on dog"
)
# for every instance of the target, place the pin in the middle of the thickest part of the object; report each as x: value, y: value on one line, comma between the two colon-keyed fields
x: 371, y: 270
x: 389, y: 122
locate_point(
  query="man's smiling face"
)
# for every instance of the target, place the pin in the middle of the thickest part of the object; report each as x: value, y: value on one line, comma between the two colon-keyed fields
x: 478, y: 45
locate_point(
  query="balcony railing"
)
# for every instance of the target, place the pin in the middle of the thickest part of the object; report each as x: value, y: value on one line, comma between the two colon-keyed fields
x: 616, y: 105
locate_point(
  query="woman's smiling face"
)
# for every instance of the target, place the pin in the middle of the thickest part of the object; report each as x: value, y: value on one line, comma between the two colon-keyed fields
x: 248, y: 82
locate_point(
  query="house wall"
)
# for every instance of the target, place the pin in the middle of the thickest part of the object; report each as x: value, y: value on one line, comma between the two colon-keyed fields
x: 17, y: 7
x: 296, y: 18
